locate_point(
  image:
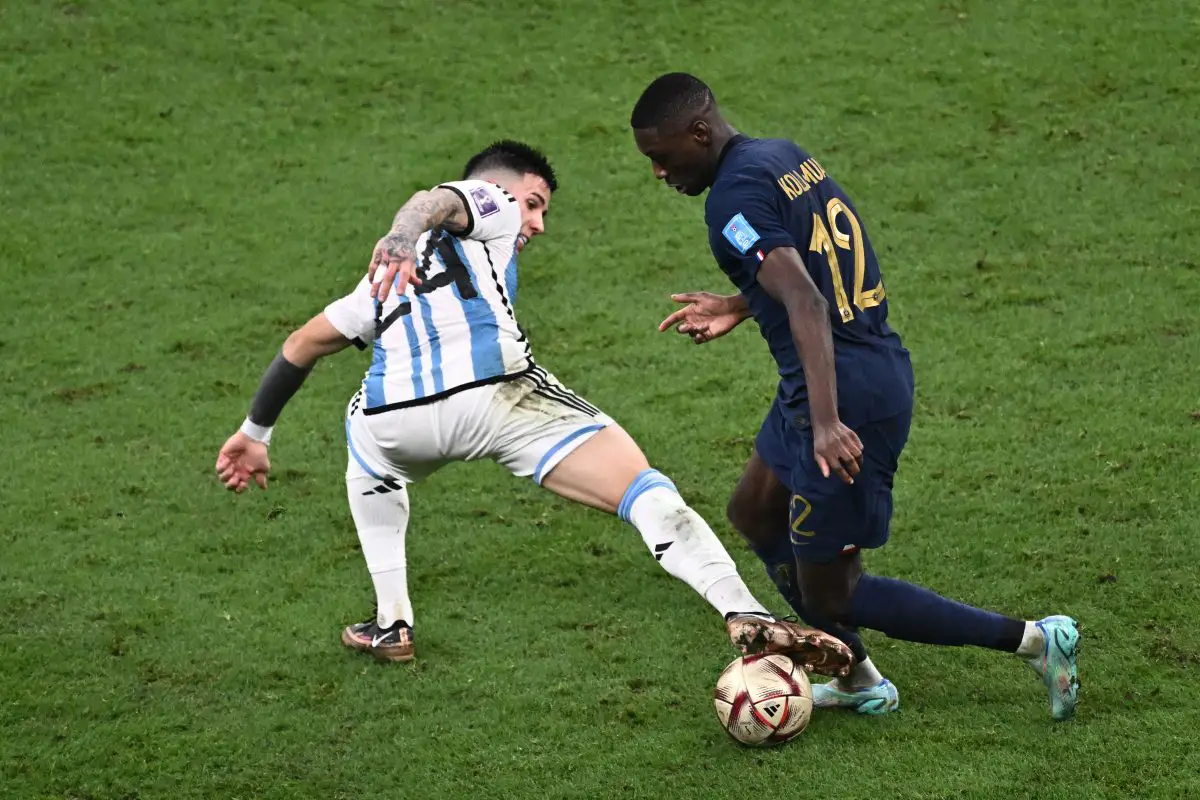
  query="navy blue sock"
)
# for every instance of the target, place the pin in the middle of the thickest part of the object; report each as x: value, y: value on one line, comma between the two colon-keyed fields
x: 824, y: 623
x: 781, y: 567
x: 915, y: 614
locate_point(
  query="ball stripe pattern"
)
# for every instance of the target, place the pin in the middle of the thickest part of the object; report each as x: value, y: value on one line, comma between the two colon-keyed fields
x: 763, y: 699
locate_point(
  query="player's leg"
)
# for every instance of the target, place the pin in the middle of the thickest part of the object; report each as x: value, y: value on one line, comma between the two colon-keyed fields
x: 761, y: 510
x: 758, y: 510
x: 610, y: 472
x: 903, y: 610
x: 865, y: 690
x: 380, y: 509
x: 834, y: 586
x: 377, y: 490
x: 571, y: 448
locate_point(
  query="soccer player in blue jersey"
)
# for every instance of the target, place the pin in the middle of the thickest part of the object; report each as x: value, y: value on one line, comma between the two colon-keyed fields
x: 818, y: 487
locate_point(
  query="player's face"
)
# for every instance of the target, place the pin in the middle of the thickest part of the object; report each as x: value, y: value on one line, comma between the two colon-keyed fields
x: 680, y: 159
x: 533, y: 193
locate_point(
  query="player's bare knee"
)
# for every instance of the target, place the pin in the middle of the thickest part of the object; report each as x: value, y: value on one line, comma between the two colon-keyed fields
x: 737, y: 512
x: 747, y: 514
x: 742, y: 511
x: 600, y: 471
x: 758, y: 507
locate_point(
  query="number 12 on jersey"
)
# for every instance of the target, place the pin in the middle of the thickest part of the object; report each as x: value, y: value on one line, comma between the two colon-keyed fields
x: 829, y: 239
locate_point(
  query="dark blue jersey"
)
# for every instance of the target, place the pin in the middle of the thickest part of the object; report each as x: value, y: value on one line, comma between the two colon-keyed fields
x: 770, y: 193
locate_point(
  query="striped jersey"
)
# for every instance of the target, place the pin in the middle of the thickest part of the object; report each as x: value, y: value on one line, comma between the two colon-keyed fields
x: 457, y: 329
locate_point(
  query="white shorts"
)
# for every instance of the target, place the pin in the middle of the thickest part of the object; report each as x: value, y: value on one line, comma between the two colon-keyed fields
x: 528, y: 425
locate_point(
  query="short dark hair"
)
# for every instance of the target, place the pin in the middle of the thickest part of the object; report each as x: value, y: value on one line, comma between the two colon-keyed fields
x: 670, y: 97
x: 514, y: 156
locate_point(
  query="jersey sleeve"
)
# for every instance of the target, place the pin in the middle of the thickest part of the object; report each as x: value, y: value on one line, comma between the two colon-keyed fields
x: 354, y: 315
x: 747, y: 222
x: 492, y: 213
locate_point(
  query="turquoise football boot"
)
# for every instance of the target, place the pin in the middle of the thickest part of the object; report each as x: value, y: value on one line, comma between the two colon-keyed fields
x: 882, y: 698
x: 1058, y: 664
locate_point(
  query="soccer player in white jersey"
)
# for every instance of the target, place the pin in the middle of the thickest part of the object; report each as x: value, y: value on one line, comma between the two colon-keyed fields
x: 452, y: 378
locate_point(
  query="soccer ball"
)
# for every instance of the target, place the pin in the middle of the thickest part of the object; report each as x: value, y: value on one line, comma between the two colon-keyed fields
x: 763, y: 699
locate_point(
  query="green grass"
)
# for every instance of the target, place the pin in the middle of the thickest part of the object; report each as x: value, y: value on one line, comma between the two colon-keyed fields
x: 182, y: 183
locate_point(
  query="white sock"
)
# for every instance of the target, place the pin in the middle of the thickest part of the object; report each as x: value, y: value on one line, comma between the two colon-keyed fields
x: 1033, y: 642
x: 685, y: 546
x: 864, y: 675
x: 382, y: 519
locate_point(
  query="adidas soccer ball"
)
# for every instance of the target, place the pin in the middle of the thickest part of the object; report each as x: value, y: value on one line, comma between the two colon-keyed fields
x: 763, y: 699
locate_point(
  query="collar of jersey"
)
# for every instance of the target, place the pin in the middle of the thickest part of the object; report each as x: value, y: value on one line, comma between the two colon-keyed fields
x: 735, y: 140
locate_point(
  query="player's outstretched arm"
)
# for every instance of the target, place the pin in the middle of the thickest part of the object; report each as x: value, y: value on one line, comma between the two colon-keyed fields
x: 706, y: 316
x: 243, y: 457
x: 785, y: 278
x: 396, y: 253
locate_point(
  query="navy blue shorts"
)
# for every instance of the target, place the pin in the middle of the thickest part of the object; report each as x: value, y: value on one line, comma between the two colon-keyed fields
x: 829, y: 516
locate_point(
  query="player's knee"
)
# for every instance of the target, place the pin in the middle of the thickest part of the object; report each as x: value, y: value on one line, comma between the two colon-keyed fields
x: 602, y: 472
x: 758, y: 507
x: 736, y: 513
x: 746, y: 514
x: 741, y: 511
x: 646, y: 481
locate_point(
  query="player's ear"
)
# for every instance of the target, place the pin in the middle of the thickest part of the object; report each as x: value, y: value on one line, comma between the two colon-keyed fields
x: 701, y: 132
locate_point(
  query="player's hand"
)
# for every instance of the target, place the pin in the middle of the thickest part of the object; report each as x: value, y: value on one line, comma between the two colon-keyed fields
x: 706, y: 316
x: 837, y: 449
x: 393, y: 264
x: 816, y: 651
x: 241, y: 460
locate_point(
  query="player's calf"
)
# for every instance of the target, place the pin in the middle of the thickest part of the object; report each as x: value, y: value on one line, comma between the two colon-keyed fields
x: 913, y: 613
x: 610, y: 472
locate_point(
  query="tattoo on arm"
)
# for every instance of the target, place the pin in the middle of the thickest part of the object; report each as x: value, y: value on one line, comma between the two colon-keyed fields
x: 423, y: 211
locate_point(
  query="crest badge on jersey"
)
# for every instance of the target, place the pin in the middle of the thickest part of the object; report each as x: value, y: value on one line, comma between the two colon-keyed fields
x: 484, y: 201
x: 740, y: 233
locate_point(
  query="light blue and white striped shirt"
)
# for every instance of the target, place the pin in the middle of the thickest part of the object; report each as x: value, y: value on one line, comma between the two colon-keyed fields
x: 457, y: 329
